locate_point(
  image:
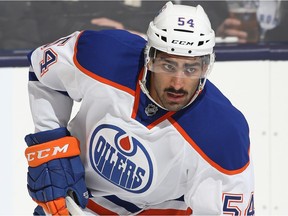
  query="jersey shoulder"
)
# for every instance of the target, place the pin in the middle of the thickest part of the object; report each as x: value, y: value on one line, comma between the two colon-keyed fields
x: 217, y: 131
x: 115, y: 55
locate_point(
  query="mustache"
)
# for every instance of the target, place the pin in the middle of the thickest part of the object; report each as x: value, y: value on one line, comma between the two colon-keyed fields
x: 173, y: 90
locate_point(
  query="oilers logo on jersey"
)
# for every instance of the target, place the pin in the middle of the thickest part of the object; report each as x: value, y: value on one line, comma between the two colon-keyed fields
x: 113, y: 153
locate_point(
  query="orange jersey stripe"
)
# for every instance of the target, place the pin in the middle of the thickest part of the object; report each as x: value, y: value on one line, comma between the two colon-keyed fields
x: 164, y: 117
x: 99, y: 209
x: 60, y: 148
x: 188, y: 211
x: 137, y: 96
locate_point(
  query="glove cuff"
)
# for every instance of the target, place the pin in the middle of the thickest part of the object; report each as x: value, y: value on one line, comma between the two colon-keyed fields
x: 46, y: 136
x: 61, y: 148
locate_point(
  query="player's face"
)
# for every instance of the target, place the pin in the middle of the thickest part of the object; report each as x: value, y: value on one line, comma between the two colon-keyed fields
x: 174, y: 80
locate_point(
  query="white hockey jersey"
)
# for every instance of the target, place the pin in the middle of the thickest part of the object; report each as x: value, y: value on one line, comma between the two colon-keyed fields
x: 139, y: 158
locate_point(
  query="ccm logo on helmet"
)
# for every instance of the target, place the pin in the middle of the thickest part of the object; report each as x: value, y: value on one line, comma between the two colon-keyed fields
x: 181, y: 42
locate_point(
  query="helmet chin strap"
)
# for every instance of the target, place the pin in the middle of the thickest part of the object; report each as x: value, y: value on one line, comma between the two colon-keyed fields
x: 143, y: 87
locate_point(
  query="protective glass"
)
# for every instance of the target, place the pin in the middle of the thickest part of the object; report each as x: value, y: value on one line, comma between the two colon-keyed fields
x: 191, y: 67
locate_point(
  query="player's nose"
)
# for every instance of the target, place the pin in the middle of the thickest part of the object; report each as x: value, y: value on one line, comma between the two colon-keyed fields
x: 177, y: 82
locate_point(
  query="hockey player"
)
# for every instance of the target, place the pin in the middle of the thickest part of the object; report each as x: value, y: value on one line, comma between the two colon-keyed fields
x: 152, y: 136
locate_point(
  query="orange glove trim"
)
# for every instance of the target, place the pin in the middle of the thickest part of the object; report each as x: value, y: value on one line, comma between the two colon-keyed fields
x: 61, y: 148
x: 55, y: 207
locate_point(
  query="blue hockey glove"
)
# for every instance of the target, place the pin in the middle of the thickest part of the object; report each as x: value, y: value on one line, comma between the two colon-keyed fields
x: 55, y: 169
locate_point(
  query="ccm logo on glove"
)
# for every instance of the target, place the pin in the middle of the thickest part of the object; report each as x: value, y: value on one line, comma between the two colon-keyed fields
x: 60, y: 148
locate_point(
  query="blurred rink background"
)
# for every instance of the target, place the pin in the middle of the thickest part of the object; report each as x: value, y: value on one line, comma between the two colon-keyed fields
x: 253, y: 76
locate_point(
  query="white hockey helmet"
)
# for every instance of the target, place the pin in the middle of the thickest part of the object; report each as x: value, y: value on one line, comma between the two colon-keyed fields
x: 180, y: 30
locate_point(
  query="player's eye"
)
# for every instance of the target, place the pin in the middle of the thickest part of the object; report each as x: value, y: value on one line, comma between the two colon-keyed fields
x: 169, y: 68
x: 192, y: 71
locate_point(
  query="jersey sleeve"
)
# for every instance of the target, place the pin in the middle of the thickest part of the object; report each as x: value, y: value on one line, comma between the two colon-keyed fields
x: 52, y: 83
x: 213, y: 191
